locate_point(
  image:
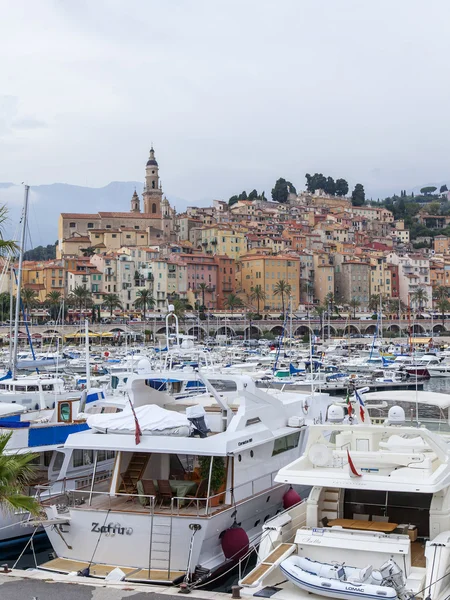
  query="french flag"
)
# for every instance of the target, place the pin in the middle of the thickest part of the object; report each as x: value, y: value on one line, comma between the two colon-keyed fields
x: 362, y: 406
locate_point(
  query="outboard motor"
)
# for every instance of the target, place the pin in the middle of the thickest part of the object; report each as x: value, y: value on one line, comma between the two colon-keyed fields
x: 196, y: 415
x: 393, y: 577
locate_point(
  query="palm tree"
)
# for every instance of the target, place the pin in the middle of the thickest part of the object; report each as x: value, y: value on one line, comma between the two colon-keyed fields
x: 320, y: 311
x: 258, y: 294
x: 29, y: 298
x: 354, y: 304
x: 440, y: 293
x: 232, y: 301
x: 16, y: 472
x: 111, y: 301
x: 395, y: 305
x: 375, y: 301
x: 443, y: 306
x: 53, y: 301
x: 6, y: 246
x: 282, y: 288
x: 420, y: 297
x: 144, y: 300
x: 203, y: 287
x: 329, y: 299
x: 179, y: 308
x: 81, y: 296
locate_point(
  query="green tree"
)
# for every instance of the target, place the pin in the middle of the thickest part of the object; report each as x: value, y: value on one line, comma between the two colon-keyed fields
x: 253, y: 195
x: 203, y: 287
x: 53, y: 301
x: 429, y: 189
x: 81, y: 297
x: 111, y: 301
x: 420, y: 297
x: 144, y: 300
x: 354, y: 304
x: 89, y: 251
x: 282, y: 190
x: 330, y: 186
x: 233, y: 200
x: 341, y: 187
x: 358, y: 195
x: 179, y: 308
x: 6, y: 246
x: 283, y: 289
x: 320, y: 311
x: 258, y: 294
x: 41, y: 253
x: 443, y: 306
x: 29, y: 298
x: 375, y: 301
x: 16, y: 473
x: 433, y: 208
x: 329, y: 301
x: 443, y: 188
x: 232, y: 302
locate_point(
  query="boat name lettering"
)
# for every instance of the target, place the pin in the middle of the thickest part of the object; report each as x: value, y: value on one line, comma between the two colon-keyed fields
x: 111, y: 528
x: 352, y: 589
x: 245, y: 442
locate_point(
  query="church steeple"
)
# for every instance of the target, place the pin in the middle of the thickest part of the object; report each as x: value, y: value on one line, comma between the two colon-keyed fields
x: 152, y: 190
x: 135, y: 203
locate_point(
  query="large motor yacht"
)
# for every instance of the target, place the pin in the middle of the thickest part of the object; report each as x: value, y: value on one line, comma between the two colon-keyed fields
x: 192, y: 483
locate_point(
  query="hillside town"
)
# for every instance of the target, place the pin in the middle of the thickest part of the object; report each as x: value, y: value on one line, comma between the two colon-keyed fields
x: 308, y: 253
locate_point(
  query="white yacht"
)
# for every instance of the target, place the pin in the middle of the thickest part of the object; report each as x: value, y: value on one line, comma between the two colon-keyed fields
x: 182, y: 501
x: 376, y: 523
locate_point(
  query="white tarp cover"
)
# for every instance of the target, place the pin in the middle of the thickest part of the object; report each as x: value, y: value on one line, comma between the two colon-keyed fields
x: 152, y: 418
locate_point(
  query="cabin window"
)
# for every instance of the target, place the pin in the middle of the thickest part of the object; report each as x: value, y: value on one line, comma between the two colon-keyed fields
x: 83, y: 457
x: 48, y: 457
x: 288, y: 442
x: 20, y: 388
x: 64, y: 412
x: 47, y: 388
x: 224, y: 385
x: 59, y: 459
x: 32, y: 388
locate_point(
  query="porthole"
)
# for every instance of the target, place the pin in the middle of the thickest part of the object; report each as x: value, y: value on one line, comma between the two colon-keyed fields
x: 252, y: 453
x: 257, y: 523
x: 266, y: 518
x: 268, y: 498
x: 239, y: 457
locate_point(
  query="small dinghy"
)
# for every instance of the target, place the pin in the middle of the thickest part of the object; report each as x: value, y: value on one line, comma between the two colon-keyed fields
x: 343, y: 582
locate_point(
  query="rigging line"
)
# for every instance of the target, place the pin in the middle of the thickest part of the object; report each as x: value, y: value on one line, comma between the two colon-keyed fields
x: 26, y: 546
x: 99, y: 537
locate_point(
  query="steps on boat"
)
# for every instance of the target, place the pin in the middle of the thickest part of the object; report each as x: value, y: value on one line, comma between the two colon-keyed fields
x: 161, y: 543
x: 330, y: 504
x: 136, y: 468
x: 256, y: 575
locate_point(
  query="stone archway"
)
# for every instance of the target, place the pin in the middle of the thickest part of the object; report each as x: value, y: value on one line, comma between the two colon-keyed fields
x: 351, y: 329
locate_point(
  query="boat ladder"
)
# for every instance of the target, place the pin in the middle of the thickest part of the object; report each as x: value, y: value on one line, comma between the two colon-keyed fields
x: 267, y: 565
x: 160, y: 544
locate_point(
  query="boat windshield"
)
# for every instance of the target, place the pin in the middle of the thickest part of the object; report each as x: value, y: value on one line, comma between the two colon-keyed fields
x: 430, y: 415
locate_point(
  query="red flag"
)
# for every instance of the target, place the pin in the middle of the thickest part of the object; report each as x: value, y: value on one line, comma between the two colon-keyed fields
x: 361, y: 413
x: 353, y: 471
x: 137, y: 431
x: 349, y: 404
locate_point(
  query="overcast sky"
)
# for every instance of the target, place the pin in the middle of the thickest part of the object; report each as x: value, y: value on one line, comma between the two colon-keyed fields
x: 233, y: 94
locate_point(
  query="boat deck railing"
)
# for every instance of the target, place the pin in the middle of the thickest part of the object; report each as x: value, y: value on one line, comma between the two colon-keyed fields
x: 90, y: 499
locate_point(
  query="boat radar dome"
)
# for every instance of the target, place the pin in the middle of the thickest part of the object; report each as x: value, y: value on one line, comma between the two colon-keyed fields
x: 144, y: 366
x: 396, y: 416
x: 335, y: 414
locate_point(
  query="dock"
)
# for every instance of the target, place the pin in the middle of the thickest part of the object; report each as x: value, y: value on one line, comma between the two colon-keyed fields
x: 39, y: 585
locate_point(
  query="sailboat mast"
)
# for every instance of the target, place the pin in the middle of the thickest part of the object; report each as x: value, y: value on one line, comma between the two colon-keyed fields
x: 19, y: 281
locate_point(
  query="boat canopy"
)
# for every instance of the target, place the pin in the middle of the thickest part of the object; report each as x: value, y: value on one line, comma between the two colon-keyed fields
x: 421, y: 397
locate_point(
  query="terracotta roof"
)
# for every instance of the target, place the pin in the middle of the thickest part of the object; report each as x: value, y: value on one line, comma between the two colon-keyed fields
x: 79, y: 216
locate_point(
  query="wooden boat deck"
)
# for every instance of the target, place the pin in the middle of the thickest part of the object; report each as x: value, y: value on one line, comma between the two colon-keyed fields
x: 281, y: 551
x: 66, y: 565
x: 418, y: 554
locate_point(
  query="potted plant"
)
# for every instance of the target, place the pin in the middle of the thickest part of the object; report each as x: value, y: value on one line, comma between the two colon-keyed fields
x: 218, y: 473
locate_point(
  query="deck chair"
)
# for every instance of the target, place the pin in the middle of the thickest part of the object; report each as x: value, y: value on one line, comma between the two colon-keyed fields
x: 200, y: 492
x: 149, y: 489
x: 360, y: 517
x: 164, y: 490
x: 128, y: 485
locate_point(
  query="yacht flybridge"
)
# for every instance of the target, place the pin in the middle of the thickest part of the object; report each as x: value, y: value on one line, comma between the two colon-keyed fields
x: 189, y: 488
x: 376, y: 523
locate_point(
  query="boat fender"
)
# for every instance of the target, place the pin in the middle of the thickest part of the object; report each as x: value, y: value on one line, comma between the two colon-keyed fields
x: 291, y: 498
x: 235, y: 542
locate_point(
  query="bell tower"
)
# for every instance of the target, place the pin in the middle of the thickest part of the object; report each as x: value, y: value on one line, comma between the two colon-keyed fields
x: 135, y: 203
x: 152, y: 190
